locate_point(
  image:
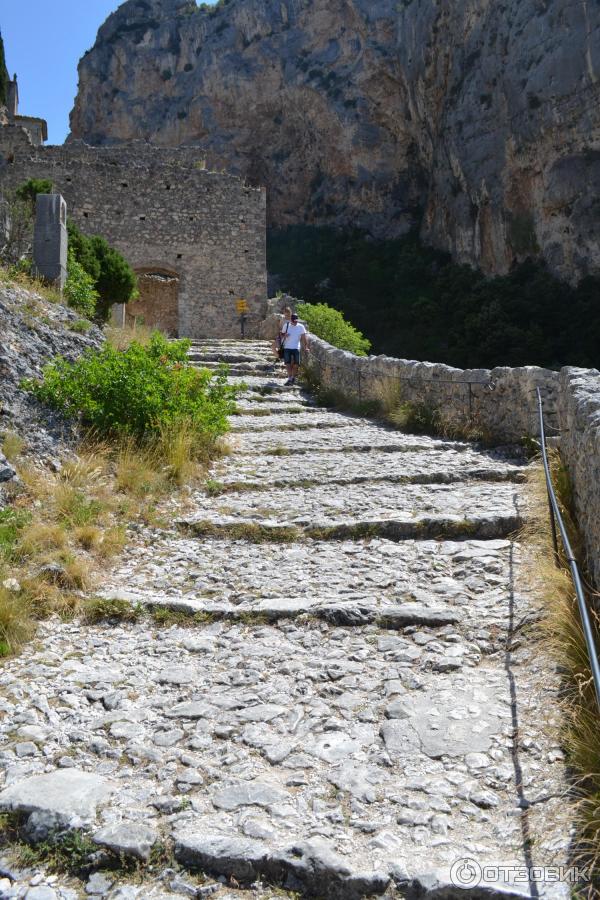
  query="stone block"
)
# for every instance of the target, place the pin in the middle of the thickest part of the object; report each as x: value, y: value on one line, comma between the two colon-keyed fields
x: 50, y: 239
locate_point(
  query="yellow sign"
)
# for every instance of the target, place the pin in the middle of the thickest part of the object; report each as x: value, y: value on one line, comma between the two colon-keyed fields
x: 241, y: 306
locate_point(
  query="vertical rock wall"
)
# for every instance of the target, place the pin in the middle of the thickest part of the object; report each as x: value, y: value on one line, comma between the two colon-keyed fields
x: 478, y: 120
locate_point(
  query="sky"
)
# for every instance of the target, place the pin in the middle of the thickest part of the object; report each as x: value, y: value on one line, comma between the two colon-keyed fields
x: 43, y: 42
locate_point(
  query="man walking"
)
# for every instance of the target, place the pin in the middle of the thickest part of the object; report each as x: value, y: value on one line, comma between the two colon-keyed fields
x: 294, y: 338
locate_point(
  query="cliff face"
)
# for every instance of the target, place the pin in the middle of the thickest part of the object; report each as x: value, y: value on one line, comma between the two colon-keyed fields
x: 480, y: 119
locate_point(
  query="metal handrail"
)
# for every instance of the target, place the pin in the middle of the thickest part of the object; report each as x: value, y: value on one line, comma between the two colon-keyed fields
x: 556, y: 517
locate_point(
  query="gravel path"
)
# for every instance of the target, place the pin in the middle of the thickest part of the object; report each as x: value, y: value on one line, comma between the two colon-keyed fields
x: 358, y: 704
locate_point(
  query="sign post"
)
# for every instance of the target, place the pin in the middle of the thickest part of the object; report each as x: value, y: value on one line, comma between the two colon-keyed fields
x: 242, y: 308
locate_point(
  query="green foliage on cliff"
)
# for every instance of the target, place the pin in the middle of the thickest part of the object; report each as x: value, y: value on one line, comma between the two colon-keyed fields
x: 330, y: 324
x: 412, y: 302
x: 3, y: 75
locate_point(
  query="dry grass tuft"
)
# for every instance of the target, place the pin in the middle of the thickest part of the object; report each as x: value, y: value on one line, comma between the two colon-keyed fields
x: 112, y: 543
x: 12, y: 446
x: 41, y: 537
x: 137, y: 470
x: 16, y: 623
x: 178, y: 447
x: 122, y: 338
x: 89, y: 468
x: 88, y: 536
x: 564, y: 637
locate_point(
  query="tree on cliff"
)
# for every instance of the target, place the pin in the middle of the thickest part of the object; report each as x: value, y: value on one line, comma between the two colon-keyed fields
x: 3, y: 75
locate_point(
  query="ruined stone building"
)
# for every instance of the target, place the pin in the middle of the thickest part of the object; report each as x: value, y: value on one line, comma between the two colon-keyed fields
x: 195, y: 238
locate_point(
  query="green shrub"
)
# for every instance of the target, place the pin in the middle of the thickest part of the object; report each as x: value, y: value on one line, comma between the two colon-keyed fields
x: 330, y: 325
x: 28, y: 191
x: 81, y: 326
x: 113, y: 278
x: 140, y: 391
x: 80, y: 292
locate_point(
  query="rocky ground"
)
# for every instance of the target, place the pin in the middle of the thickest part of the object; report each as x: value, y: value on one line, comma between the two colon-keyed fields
x: 354, y: 703
x: 34, y: 331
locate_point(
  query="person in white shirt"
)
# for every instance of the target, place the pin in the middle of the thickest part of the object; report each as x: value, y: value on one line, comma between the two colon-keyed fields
x: 295, y: 337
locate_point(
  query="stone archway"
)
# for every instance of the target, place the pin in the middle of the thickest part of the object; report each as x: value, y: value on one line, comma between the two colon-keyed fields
x: 158, y: 303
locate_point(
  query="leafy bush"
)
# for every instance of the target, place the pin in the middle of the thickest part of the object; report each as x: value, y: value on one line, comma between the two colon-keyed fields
x: 330, y: 325
x: 140, y: 391
x: 80, y: 292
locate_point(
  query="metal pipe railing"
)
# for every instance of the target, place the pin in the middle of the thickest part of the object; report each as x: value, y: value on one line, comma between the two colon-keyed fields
x: 557, y: 519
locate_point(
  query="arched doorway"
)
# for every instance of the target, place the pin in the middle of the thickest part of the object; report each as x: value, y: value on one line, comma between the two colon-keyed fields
x: 157, y: 305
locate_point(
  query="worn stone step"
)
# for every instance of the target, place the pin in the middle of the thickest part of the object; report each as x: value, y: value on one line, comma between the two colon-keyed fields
x: 350, y: 611
x: 444, y: 464
x: 266, y: 384
x: 317, y: 758
x: 401, y: 511
x: 396, y: 529
x: 238, y: 369
x: 279, y: 400
x: 363, y: 436
x: 218, y: 356
x: 255, y: 348
x: 380, y: 573
x: 251, y: 403
x: 279, y: 421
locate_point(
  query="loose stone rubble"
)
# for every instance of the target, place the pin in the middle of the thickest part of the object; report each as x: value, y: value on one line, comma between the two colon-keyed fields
x: 347, y: 714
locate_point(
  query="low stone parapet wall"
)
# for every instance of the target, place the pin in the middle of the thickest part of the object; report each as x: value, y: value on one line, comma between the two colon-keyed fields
x: 497, y: 402
x: 579, y: 414
x: 500, y: 403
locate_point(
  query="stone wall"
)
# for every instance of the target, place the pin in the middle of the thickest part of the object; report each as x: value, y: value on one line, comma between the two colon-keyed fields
x: 579, y: 408
x: 499, y: 402
x: 164, y: 213
x: 157, y: 304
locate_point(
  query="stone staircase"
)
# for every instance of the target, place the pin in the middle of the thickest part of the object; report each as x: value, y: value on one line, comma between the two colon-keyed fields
x: 357, y: 705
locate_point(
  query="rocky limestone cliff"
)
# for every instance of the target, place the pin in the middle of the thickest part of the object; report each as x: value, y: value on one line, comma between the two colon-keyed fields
x: 35, y: 331
x: 479, y: 120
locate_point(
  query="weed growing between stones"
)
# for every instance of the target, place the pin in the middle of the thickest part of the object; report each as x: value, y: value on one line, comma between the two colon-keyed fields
x: 253, y: 412
x: 74, y: 853
x: 244, y: 531
x: 387, y: 407
x: 215, y: 488
x: 12, y: 446
x: 562, y: 635
x: 165, y: 616
x: 102, y: 609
